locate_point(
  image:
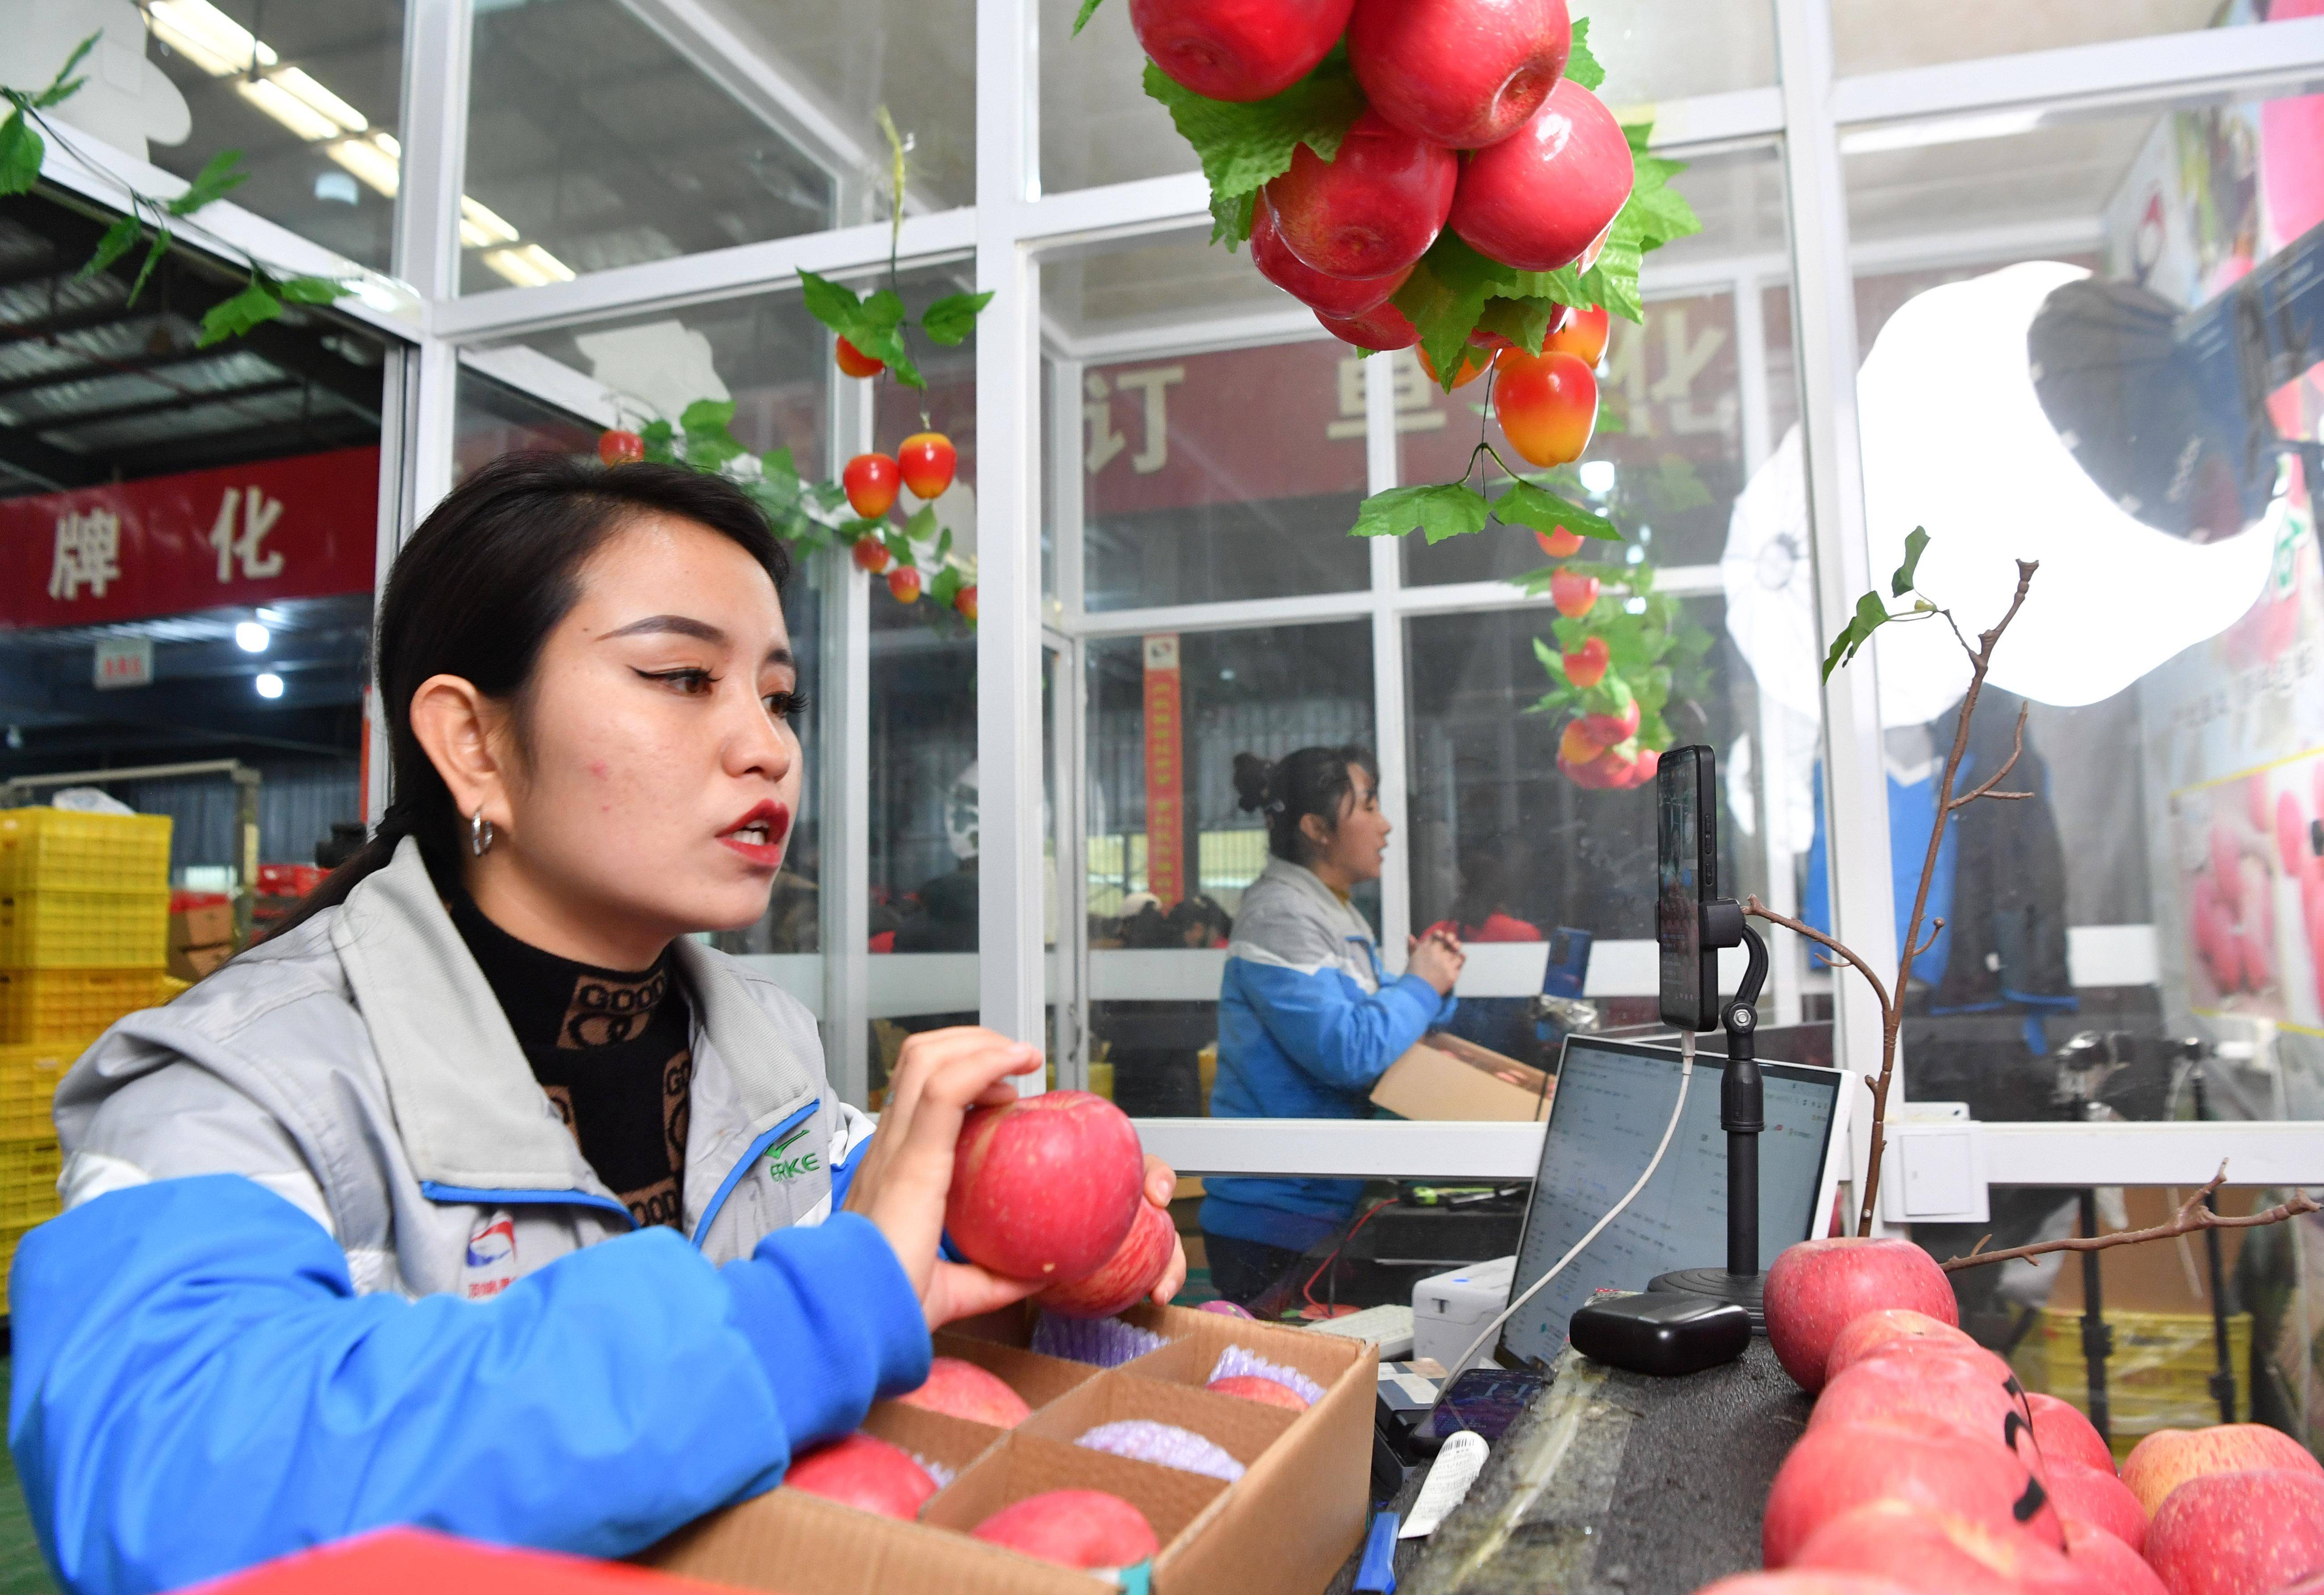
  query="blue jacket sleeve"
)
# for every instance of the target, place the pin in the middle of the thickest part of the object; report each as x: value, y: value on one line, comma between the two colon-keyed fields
x: 197, y: 1386
x: 1332, y: 1028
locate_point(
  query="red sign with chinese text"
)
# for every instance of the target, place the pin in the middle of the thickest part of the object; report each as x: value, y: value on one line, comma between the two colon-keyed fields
x: 304, y: 527
x: 1165, y: 775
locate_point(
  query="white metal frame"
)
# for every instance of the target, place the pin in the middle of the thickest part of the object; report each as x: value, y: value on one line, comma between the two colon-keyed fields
x: 1811, y: 118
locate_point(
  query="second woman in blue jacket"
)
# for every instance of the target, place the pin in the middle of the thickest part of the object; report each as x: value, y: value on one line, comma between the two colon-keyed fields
x: 1308, y: 1019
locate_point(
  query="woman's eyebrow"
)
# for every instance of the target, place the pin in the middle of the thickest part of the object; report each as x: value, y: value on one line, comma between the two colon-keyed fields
x: 780, y: 655
x: 681, y: 626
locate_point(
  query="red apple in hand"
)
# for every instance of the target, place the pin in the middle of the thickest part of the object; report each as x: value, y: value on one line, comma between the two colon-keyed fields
x: 1046, y: 1187
x: 965, y: 1390
x: 1875, y: 1331
x: 1373, y: 208
x: 1547, y: 404
x: 1381, y: 329
x: 2095, y: 1496
x: 1926, y: 1464
x: 1464, y: 73
x: 2118, y: 1569
x: 1573, y: 592
x: 2061, y: 1431
x: 1123, y: 1279
x: 1238, y: 50
x: 2238, y: 1534
x: 1817, y: 1289
x: 1970, y: 1388
x: 1077, y: 1527
x: 1560, y: 544
x: 1544, y: 196
x: 1586, y: 665
x: 2168, y: 1458
x: 864, y: 1471
x: 1940, y: 1550
x: 1327, y: 296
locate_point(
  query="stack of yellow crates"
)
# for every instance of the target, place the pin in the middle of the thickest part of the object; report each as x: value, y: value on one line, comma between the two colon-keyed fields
x: 84, y: 928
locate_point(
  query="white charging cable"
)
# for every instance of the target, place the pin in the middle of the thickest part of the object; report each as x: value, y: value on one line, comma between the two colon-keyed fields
x: 1685, y: 1074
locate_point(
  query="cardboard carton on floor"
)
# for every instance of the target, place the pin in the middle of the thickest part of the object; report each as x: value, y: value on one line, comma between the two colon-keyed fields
x: 192, y: 964
x: 200, y: 921
x: 1444, y: 1076
x: 1284, y: 1528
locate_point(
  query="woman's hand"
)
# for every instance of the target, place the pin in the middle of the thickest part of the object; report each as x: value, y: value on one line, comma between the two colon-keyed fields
x: 907, y: 1171
x: 1161, y: 1185
x: 1437, y: 958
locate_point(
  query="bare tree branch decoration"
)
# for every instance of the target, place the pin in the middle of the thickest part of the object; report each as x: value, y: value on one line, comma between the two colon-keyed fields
x: 2192, y: 1215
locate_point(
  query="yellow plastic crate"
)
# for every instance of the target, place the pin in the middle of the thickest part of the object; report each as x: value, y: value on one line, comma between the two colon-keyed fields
x: 84, y: 929
x: 52, y: 848
x: 28, y: 1181
x: 28, y: 1086
x: 58, y: 1005
x: 2160, y: 1372
x: 9, y: 1235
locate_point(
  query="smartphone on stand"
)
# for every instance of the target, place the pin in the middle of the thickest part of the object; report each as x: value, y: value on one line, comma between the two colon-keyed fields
x: 1686, y: 864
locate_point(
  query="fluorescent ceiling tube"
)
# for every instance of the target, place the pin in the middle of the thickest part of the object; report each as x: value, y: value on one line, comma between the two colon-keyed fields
x: 319, y: 99
x: 481, y: 226
x: 529, y: 266
x: 372, y: 166
x: 281, y: 103
x: 208, y: 37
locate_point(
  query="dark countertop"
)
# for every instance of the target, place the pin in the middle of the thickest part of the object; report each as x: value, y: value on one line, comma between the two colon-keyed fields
x: 1616, y: 1483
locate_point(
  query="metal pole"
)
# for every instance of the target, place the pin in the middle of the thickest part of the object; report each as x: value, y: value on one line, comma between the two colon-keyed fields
x: 2098, y: 1338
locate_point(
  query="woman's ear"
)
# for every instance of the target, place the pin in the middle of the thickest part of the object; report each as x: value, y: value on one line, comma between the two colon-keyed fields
x: 459, y: 728
x: 1313, y: 827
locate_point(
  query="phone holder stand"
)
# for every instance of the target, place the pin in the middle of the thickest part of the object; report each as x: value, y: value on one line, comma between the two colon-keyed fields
x: 1742, y: 1114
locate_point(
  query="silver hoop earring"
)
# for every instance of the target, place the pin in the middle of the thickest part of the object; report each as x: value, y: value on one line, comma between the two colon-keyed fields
x: 480, y: 832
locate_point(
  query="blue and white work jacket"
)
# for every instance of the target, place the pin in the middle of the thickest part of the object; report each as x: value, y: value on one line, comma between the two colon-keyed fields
x: 1308, y: 1021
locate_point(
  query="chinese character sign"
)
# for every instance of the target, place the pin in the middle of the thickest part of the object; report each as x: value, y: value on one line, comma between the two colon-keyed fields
x: 1165, y: 779
x: 304, y: 527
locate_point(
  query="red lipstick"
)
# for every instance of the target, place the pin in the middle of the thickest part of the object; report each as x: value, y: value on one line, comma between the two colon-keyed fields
x: 758, y: 835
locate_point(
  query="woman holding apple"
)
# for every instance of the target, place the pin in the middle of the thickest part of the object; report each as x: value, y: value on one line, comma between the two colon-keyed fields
x: 481, y: 1196
x: 1308, y: 1019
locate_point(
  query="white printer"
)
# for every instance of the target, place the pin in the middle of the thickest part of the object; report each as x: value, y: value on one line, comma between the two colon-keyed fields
x: 1448, y: 1310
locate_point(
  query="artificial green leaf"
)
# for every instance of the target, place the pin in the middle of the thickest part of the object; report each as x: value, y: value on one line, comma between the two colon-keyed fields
x: 153, y: 253
x: 922, y: 527
x: 1243, y: 146
x: 884, y: 310
x: 948, y: 580
x: 900, y: 364
x: 1443, y: 510
x: 1638, y: 135
x: 954, y: 316
x: 835, y: 306
x: 944, y: 545
x: 233, y: 318
x: 777, y: 469
x: 1088, y: 10
x: 311, y: 290
x: 1676, y: 487
x: 216, y: 179
x: 706, y: 417
x: 1551, y: 659
x: 1901, y: 582
x: 64, y: 85
x: 899, y: 546
x: 118, y: 240
x: 658, y: 437
x: 1659, y: 213
x: 1527, y: 505
x: 1525, y: 322
x: 1231, y: 219
x: 1443, y: 296
x: 1581, y: 67
x: 20, y: 152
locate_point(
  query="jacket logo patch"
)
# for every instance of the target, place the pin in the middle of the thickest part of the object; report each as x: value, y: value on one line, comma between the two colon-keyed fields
x: 490, y: 1265
x: 784, y: 1164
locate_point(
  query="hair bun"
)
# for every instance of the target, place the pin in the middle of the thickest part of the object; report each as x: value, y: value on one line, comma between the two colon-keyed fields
x: 1251, y: 775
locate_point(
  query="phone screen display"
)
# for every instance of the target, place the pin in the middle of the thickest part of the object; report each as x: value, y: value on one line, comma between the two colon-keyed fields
x: 1686, y: 877
x: 1486, y: 1400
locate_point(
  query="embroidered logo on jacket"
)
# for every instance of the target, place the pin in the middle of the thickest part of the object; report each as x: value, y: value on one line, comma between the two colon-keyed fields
x: 783, y: 1165
x: 490, y: 1266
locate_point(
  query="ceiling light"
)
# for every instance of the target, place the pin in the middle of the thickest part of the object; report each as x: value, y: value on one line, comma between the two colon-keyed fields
x: 319, y: 99
x: 375, y: 167
x: 529, y: 266
x: 251, y: 638
x: 208, y: 37
x: 481, y: 226
x: 268, y: 685
x: 287, y: 109
x: 1949, y: 130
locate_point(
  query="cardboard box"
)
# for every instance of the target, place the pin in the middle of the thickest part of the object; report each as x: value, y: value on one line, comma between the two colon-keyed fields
x: 191, y: 963
x: 201, y: 925
x: 1284, y: 1528
x: 1444, y: 1076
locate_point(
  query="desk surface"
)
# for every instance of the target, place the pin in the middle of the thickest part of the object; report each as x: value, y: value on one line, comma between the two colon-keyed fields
x: 1617, y: 1484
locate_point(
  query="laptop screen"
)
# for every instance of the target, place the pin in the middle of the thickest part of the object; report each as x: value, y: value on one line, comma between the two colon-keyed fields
x: 1605, y: 1120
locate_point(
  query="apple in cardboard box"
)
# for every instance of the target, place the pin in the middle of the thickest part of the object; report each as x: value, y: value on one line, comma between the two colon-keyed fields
x: 1909, y: 1458
x: 1259, y: 1388
x: 2168, y: 1458
x: 963, y: 1390
x: 1817, y: 1289
x: 1076, y: 1527
x: 864, y: 1471
x: 1047, y: 1186
x: 2238, y: 1534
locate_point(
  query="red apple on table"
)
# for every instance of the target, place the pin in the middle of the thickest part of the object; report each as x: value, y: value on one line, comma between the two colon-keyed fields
x: 1238, y: 50
x: 1329, y: 296
x: 1047, y: 1186
x: 2084, y: 1494
x: 2238, y: 1534
x: 1465, y: 73
x: 2168, y: 1458
x: 1968, y: 1388
x: 1267, y: 1392
x: 2061, y: 1431
x: 1543, y: 197
x: 1936, y: 1550
x: 1817, y: 1289
x: 1560, y: 544
x: 865, y: 1471
x: 1586, y: 665
x: 1373, y: 208
x: 2119, y: 1570
x: 1908, y: 1458
x: 961, y: 1388
x: 1380, y: 330
x: 1573, y: 592
x: 1583, y: 334
x: 1077, y: 1527
x: 1123, y: 1279
x: 1547, y: 404
x: 1875, y: 1331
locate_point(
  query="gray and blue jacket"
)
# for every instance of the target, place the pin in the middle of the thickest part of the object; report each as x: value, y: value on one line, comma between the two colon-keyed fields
x: 330, y: 1260
x: 1308, y: 1021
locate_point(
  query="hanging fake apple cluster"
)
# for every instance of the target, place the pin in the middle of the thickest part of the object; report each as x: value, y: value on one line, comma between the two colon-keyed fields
x: 924, y: 463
